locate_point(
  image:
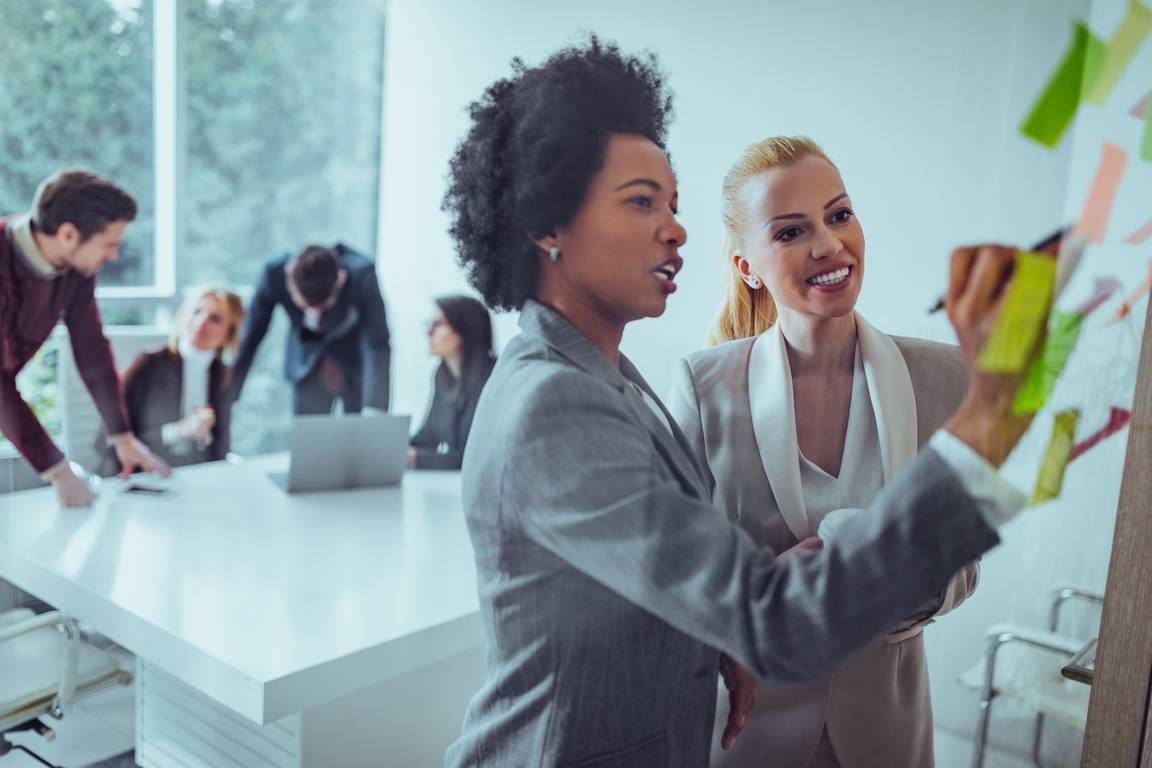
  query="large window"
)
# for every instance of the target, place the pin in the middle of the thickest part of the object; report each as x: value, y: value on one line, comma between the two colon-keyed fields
x: 245, y: 128
x: 283, y: 134
x: 283, y: 122
x: 76, y: 90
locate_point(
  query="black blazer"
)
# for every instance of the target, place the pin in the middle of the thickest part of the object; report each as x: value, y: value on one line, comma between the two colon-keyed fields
x: 440, y: 442
x: 355, y: 329
x: 153, y: 387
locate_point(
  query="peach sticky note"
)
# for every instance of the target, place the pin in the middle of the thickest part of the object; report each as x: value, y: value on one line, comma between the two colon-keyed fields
x: 1139, y: 236
x: 1122, y: 47
x: 1093, y: 224
x: 1022, y: 314
x: 1051, y: 477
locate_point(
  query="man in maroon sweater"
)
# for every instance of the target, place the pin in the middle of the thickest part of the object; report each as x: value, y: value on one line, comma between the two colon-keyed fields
x: 48, y: 264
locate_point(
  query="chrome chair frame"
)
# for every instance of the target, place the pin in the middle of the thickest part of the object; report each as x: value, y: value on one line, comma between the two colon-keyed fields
x: 998, y: 639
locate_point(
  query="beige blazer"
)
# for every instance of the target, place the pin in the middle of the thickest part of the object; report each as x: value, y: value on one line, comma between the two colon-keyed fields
x: 875, y: 706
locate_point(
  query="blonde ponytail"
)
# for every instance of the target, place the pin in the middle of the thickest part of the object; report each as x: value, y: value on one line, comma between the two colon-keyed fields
x: 746, y: 312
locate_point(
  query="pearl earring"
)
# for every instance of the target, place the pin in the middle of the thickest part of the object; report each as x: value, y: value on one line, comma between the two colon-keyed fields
x: 754, y: 283
x: 553, y: 254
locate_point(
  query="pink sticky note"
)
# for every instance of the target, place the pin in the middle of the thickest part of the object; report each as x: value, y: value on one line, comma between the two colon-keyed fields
x: 1118, y: 418
x: 1093, y: 225
x: 1139, y: 236
x: 1141, y: 107
x: 1105, y: 287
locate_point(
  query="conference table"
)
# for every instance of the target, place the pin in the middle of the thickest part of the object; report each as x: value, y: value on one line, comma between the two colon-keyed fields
x: 270, y: 630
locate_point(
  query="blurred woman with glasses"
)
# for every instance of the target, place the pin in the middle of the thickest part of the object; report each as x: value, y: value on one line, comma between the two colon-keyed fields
x: 460, y: 334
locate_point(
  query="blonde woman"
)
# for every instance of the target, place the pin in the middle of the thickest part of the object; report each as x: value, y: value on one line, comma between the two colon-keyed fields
x: 802, y: 408
x: 178, y: 396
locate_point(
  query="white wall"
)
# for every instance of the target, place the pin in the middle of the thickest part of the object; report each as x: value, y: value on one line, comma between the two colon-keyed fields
x: 919, y: 104
x: 8, y: 596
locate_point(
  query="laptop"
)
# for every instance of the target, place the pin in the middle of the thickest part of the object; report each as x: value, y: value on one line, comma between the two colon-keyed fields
x: 336, y: 452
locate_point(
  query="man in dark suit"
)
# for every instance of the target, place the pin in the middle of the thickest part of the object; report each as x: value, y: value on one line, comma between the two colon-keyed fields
x: 338, y: 345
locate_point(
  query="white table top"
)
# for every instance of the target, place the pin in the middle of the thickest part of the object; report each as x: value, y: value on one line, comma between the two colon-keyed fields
x: 269, y: 603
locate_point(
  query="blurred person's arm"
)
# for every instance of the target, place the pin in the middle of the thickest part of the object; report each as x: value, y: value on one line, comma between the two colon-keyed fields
x: 256, y: 320
x: 375, y: 347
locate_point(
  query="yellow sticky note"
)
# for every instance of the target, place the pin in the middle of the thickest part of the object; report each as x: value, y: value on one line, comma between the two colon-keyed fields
x: 1063, y: 332
x: 1021, y: 315
x: 1126, y: 40
x: 1051, y: 476
x: 1056, y: 107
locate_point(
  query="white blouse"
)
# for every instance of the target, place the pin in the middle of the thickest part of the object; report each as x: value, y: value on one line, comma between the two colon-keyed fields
x: 861, y: 468
x: 193, y: 394
x: 197, y: 363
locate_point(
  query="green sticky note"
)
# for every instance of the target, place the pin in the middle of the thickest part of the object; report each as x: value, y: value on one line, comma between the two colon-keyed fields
x: 1063, y: 331
x: 1127, y: 39
x: 1053, y: 111
x: 1022, y: 315
x: 1051, y: 476
x: 1146, y: 147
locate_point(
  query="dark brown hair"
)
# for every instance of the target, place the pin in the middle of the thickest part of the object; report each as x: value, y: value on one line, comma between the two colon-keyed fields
x: 87, y: 201
x: 314, y: 272
x: 472, y: 323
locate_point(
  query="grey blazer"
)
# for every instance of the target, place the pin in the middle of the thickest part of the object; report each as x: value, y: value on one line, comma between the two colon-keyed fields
x: 876, y: 707
x: 608, y: 584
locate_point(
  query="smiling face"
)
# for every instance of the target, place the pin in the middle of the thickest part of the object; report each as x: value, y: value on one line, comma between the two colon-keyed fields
x: 619, y: 254
x: 801, y: 238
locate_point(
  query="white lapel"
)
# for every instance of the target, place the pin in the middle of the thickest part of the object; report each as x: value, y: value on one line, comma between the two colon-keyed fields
x: 892, y: 396
x: 774, y: 425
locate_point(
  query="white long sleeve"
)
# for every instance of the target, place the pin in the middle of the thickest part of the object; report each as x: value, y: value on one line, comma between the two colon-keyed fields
x: 999, y: 500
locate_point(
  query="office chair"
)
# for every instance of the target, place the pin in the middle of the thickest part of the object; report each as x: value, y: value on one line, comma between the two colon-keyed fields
x: 44, y: 667
x: 1024, y: 663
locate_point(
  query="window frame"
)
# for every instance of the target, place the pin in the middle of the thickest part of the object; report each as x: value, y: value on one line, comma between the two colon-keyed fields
x: 161, y: 297
x: 170, y: 155
x: 169, y: 96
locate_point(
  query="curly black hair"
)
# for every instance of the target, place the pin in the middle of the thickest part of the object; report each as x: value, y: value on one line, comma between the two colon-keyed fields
x: 536, y: 140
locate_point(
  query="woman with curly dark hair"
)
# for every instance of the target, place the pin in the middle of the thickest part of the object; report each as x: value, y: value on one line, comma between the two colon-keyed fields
x: 608, y: 585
